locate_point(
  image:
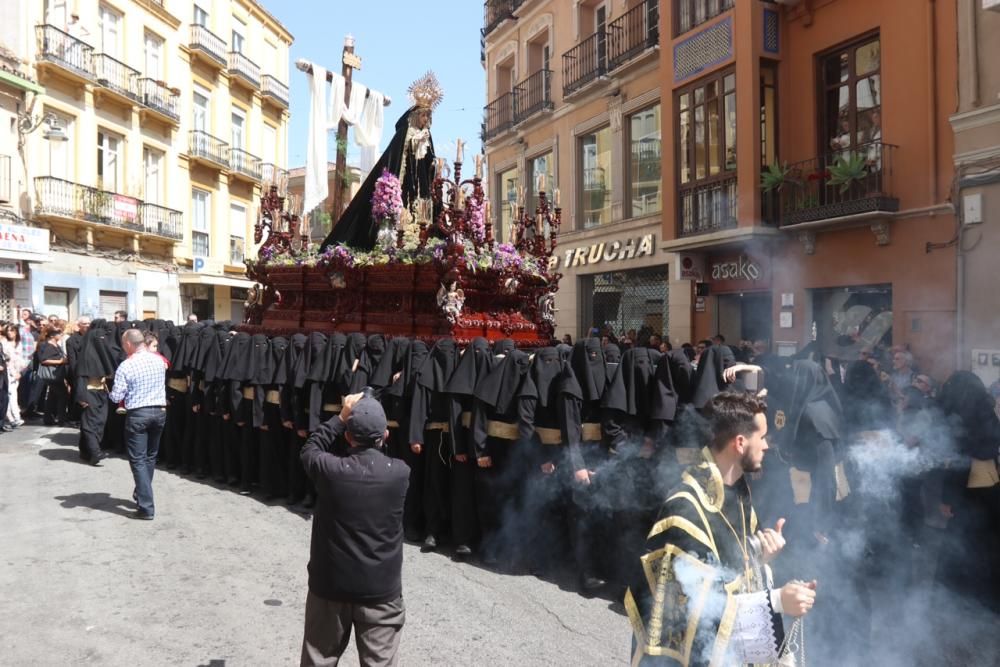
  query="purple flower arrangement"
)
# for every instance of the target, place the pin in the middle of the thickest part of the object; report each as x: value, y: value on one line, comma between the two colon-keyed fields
x: 387, y: 200
x: 477, y: 219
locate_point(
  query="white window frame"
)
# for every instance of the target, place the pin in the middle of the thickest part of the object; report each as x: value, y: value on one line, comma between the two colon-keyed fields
x: 111, y: 33
x: 200, y: 16
x: 152, y: 172
x: 201, y: 201
x: 238, y: 129
x: 153, y: 55
x: 109, y: 154
x: 60, y: 153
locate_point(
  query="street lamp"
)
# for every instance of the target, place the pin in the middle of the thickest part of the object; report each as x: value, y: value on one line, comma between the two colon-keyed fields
x: 26, y: 124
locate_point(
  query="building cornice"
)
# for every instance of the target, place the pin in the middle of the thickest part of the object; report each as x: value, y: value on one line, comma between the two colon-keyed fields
x: 159, y: 11
x: 969, y: 120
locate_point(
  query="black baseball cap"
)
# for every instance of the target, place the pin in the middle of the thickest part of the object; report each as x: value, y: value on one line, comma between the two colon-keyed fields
x: 367, y: 422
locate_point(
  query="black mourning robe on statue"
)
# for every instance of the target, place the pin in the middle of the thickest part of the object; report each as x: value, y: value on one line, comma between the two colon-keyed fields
x: 355, y: 228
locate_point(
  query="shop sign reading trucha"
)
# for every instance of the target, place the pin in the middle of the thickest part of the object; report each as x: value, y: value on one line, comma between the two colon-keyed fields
x: 606, y: 251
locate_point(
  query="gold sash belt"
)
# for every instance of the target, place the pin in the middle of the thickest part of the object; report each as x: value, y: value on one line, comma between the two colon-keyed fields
x: 97, y: 386
x: 248, y: 393
x: 437, y: 426
x: 802, y: 484
x: 273, y: 396
x: 177, y: 384
x: 591, y: 432
x: 983, y: 474
x: 332, y: 407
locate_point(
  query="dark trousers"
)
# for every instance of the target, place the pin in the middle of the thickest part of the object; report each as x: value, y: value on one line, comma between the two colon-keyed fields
x: 248, y: 455
x: 464, y: 518
x: 436, y: 455
x: 173, y: 435
x: 414, y: 523
x: 298, y: 484
x: 328, y: 631
x: 143, y: 427
x: 25, y: 388
x: 273, y: 463
x: 189, y: 445
x: 232, y: 439
x: 93, y: 419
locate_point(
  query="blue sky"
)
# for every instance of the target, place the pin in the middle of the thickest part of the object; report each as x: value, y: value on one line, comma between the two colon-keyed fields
x: 398, y: 40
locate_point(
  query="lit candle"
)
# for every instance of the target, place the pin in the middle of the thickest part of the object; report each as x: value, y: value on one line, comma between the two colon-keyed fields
x: 458, y: 152
x: 479, y: 165
x: 486, y: 216
x: 520, y: 195
x: 556, y: 194
x: 541, y: 183
x: 460, y: 199
x: 440, y: 167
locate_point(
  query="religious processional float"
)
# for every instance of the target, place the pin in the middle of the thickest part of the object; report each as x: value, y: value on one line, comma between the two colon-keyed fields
x: 414, y: 254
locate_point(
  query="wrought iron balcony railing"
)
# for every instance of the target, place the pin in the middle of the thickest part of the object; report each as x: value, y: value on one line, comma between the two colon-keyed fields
x: 208, y: 43
x: 585, y: 62
x: 115, y: 75
x: 271, y: 173
x: 496, y: 12
x: 155, y: 95
x: 707, y: 207
x: 58, y: 47
x: 245, y: 163
x: 203, y: 145
x: 271, y: 87
x: 66, y: 199
x: 162, y: 221
x: 633, y: 32
x: 499, y: 116
x: 532, y: 95
x: 840, y: 183
x: 241, y: 66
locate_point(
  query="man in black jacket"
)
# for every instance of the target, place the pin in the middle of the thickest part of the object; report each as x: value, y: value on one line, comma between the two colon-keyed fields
x: 356, y: 557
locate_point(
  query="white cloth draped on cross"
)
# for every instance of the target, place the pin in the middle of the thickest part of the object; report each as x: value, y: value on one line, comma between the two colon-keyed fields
x: 363, y: 111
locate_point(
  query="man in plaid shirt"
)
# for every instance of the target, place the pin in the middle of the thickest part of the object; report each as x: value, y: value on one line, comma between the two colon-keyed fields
x: 140, y: 381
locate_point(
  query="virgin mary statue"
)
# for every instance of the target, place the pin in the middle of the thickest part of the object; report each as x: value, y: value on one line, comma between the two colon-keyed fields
x: 410, y: 156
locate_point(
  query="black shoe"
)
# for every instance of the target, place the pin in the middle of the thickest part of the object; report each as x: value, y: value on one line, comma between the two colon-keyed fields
x: 462, y: 551
x: 96, y: 461
x: 142, y: 516
x: 430, y: 544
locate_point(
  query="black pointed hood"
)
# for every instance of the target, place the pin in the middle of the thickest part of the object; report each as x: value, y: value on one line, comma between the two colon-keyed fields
x: 474, y: 363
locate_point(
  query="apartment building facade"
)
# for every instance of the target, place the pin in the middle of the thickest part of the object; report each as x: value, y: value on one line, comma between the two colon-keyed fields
x: 806, y: 161
x: 976, y: 124
x: 573, y: 103
x: 171, y: 131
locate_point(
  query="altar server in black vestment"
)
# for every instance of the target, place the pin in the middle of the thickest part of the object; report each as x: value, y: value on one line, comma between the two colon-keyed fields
x: 474, y: 362
x: 96, y: 364
x: 431, y: 438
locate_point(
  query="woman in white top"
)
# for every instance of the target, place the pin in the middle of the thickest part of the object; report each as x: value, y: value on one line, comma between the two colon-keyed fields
x: 10, y: 343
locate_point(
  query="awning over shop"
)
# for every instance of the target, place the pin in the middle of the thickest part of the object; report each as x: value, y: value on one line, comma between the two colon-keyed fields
x: 21, y: 82
x: 208, y: 279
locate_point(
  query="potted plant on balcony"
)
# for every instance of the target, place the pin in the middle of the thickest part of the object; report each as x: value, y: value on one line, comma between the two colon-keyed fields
x: 847, y: 171
x: 775, y: 177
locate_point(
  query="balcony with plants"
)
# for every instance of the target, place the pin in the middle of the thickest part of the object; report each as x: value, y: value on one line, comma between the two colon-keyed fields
x: 846, y: 183
x: 57, y: 199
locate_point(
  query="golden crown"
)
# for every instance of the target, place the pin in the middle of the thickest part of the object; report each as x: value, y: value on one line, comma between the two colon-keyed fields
x: 426, y: 91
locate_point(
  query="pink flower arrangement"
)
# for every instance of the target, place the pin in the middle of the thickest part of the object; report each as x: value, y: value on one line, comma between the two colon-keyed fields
x: 387, y: 200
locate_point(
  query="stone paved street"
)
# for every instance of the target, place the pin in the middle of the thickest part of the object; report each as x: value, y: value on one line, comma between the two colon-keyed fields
x: 220, y: 579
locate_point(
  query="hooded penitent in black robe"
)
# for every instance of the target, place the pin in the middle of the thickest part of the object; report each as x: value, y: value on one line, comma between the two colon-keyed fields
x: 355, y: 228
x: 95, y: 363
x: 429, y: 432
x: 414, y: 522
x: 970, y: 560
x: 274, y: 436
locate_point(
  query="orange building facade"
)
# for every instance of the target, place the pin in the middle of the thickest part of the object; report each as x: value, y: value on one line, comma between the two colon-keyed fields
x: 807, y: 170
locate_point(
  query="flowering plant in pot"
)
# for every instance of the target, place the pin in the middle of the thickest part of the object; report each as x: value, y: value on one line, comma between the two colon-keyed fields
x: 387, y: 204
